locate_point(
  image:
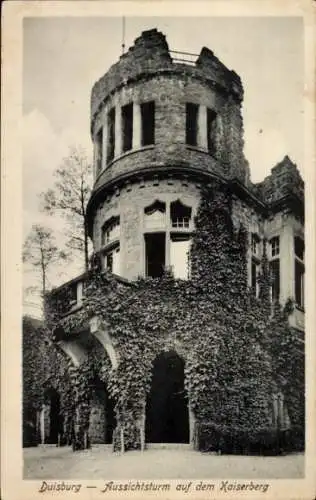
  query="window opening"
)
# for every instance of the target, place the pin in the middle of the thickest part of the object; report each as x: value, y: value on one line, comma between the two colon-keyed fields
x: 155, y: 244
x: 147, y: 110
x: 255, y: 241
x: 179, y: 255
x: 211, y: 130
x: 275, y: 246
x: 299, y: 283
x: 299, y: 248
x: 191, y: 123
x: 98, y: 145
x: 112, y: 260
x: 275, y: 277
x: 255, y: 271
x: 127, y: 127
x: 111, y: 135
x: 180, y: 215
x: 110, y: 231
x: 73, y: 294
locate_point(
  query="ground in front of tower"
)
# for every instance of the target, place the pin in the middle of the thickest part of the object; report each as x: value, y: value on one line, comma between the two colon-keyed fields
x: 176, y: 462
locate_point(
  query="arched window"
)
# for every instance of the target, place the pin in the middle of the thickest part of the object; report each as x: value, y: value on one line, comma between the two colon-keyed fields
x: 180, y: 215
x: 110, y: 231
x: 155, y: 215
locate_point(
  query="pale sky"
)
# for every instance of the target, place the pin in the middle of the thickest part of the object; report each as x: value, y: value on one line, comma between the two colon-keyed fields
x: 63, y: 57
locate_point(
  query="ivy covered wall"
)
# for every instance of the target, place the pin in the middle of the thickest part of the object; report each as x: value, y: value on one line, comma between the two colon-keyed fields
x: 238, y: 351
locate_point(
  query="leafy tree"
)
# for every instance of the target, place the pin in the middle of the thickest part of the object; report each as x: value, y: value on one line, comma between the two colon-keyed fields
x: 40, y: 251
x: 69, y: 197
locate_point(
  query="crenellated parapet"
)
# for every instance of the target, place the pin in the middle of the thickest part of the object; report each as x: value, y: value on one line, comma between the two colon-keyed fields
x: 149, y: 56
x: 285, y: 180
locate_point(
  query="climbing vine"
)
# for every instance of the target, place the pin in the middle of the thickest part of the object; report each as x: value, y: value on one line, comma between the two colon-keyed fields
x: 237, y: 351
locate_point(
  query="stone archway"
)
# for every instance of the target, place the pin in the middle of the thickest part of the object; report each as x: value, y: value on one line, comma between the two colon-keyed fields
x: 102, y: 416
x: 167, y: 413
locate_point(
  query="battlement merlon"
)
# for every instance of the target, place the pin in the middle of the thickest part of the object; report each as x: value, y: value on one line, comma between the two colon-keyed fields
x: 150, y: 55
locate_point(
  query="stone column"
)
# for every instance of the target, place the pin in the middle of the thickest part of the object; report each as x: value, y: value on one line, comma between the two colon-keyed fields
x: 202, y: 127
x: 118, y: 131
x: 136, y: 126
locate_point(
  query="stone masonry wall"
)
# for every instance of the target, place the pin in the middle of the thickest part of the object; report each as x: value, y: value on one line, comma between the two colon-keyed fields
x: 170, y: 94
x: 130, y: 206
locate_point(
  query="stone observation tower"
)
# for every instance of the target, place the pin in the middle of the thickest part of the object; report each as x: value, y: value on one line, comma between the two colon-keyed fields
x: 164, y: 124
x: 161, y: 126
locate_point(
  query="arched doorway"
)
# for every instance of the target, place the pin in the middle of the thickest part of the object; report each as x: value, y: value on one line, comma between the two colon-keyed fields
x: 167, y: 418
x: 52, y: 400
x: 102, y: 415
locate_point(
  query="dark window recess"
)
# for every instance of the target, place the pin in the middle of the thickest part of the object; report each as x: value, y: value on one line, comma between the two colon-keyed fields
x: 299, y: 283
x: 180, y: 214
x: 254, y: 275
x: 155, y: 254
x: 191, y: 123
x: 127, y: 127
x: 275, y: 277
x: 211, y: 130
x: 111, y: 135
x: 275, y: 246
x: 99, y: 140
x: 299, y: 247
x: 72, y: 293
x: 147, y: 110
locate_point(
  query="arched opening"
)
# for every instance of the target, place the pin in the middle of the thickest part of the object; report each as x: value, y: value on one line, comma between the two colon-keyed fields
x: 52, y: 400
x: 102, y: 416
x: 167, y: 416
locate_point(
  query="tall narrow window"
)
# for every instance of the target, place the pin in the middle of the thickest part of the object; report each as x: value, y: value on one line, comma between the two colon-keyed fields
x: 275, y: 246
x: 211, y: 130
x: 147, y: 110
x: 155, y: 244
x: 255, y: 271
x: 98, y: 153
x: 112, y: 260
x: 275, y: 268
x: 275, y: 279
x: 110, y: 231
x: 191, y: 123
x: 299, y: 250
x: 255, y: 242
x: 111, y: 135
x: 127, y: 127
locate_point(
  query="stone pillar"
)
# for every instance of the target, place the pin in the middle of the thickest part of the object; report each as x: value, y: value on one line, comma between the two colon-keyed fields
x: 202, y: 127
x: 136, y: 126
x: 118, y: 132
x: 42, y: 424
x: 191, y: 425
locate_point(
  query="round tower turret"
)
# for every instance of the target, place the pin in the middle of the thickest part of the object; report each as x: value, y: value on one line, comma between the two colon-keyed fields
x: 161, y: 123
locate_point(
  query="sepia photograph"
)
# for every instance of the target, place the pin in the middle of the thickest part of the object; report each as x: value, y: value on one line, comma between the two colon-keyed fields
x: 163, y: 253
